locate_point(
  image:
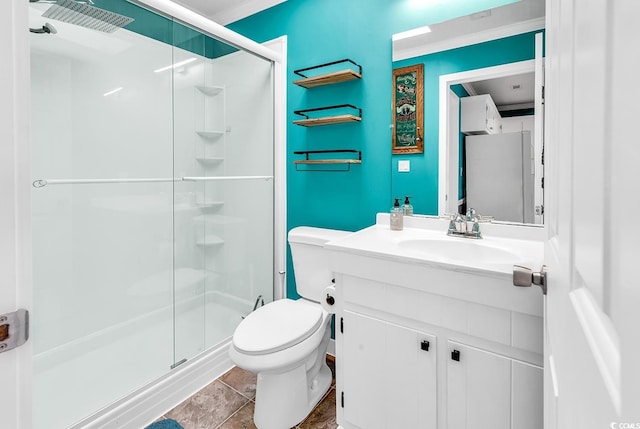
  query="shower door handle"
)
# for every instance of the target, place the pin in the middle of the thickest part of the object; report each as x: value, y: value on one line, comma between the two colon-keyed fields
x: 14, y: 330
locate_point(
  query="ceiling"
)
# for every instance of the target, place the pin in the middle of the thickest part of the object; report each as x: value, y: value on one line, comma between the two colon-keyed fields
x: 227, y: 11
x: 508, y: 93
x: 515, y: 18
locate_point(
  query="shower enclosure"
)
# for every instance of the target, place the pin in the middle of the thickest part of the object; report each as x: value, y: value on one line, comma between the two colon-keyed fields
x: 153, y: 203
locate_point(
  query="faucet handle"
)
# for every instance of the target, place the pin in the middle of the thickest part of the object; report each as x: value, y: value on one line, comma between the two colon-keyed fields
x: 472, y: 214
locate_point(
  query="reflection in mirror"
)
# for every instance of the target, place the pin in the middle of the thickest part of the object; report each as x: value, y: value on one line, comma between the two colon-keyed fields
x: 491, y: 158
x: 483, y: 115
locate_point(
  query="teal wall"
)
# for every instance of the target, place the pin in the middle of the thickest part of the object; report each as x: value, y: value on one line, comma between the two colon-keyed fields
x: 321, y: 31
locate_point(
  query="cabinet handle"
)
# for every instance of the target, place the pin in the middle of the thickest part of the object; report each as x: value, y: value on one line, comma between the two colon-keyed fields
x: 455, y: 355
x: 424, y: 345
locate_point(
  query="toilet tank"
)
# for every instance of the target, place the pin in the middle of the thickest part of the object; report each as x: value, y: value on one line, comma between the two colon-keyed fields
x: 310, y: 259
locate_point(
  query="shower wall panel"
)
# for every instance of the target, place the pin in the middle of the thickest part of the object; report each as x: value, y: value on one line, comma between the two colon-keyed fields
x: 223, y: 129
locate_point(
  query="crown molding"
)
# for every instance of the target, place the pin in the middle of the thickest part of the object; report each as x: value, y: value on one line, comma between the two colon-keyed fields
x: 243, y: 10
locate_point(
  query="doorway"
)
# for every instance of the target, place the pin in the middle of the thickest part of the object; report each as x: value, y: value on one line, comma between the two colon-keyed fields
x: 451, y: 144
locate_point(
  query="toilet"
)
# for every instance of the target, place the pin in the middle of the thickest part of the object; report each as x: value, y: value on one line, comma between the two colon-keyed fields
x: 285, y: 342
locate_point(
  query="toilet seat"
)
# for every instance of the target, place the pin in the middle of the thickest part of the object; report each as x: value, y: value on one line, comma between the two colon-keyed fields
x: 277, y: 326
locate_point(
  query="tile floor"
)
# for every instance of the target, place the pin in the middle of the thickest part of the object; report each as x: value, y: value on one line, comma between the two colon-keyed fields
x: 227, y: 403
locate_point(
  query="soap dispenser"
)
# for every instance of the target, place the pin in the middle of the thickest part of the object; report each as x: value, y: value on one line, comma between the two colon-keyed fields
x: 396, y: 220
x: 407, y: 208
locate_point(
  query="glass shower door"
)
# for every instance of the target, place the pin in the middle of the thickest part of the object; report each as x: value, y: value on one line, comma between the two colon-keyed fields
x: 102, y: 164
x: 152, y: 163
x: 224, y: 206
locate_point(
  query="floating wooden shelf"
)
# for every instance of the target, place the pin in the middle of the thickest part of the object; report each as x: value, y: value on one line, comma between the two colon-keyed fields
x: 328, y: 161
x: 324, y: 162
x: 327, y: 120
x: 328, y: 78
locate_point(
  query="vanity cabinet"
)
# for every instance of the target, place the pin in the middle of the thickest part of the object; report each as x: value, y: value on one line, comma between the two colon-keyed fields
x: 388, y: 375
x: 479, y: 115
x: 426, y: 348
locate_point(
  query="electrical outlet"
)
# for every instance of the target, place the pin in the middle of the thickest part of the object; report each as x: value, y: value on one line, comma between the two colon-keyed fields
x: 404, y: 166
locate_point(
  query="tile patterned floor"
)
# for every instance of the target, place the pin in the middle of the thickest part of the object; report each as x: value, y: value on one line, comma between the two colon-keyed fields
x: 227, y: 403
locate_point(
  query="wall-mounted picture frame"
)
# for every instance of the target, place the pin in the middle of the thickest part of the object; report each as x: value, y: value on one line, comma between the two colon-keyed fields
x: 408, y: 110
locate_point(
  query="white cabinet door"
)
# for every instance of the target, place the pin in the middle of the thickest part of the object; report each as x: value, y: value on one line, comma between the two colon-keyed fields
x: 478, y: 388
x: 389, y: 375
x: 527, y: 396
x: 479, y: 115
x: 486, y: 390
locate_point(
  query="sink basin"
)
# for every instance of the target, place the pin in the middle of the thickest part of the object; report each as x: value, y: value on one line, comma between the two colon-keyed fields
x: 461, y: 251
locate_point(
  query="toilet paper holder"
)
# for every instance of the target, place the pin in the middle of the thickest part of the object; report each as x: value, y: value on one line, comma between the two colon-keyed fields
x: 330, y: 300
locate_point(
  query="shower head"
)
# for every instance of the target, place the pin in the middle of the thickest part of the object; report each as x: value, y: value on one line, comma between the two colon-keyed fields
x: 45, y: 29
x: 85, y: 15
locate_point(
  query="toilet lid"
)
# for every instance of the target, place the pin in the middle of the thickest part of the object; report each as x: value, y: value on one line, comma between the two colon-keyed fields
x: 276, y: 326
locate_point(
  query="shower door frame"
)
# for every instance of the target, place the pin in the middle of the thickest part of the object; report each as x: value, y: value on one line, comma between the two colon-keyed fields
x: 15, y: 213
x: 16, y: 286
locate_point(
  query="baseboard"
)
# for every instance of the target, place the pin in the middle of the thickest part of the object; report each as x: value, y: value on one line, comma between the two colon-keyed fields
x: 145, y: 405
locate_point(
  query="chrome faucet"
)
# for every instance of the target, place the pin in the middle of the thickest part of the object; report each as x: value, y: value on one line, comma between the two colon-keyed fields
x: 465, y: 226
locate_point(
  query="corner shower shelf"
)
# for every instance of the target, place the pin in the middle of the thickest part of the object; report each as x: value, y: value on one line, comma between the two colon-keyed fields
x: 210, y: 134
x: 328, y: 78
x: 218, y: 219
x: 209, y: 204
x: 210, y: 90
x: 328, y: 120
x: 209, y: 160
x: 324, y: 162
x: 210, y: 241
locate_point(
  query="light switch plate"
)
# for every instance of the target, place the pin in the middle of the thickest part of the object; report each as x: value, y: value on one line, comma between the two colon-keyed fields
x: 404, y: 166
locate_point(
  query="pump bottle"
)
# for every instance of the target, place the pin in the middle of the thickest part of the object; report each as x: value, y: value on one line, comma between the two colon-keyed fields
x: 407, y: 208
x: 396, y: 220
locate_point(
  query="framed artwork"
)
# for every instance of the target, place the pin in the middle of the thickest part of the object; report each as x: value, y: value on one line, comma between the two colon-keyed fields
x: 408, y: 110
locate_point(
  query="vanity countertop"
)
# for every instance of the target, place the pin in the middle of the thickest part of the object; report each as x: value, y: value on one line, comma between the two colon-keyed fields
x: 424, y: 240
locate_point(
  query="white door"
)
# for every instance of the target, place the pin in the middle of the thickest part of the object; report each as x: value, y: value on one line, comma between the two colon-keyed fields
x: 15, y: 217
x: 592, y: 352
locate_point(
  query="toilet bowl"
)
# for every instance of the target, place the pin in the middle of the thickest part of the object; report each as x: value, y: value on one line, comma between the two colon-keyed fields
x: 285, y: 342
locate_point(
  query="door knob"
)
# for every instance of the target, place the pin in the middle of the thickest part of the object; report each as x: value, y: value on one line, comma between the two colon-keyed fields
x: 525, y: 277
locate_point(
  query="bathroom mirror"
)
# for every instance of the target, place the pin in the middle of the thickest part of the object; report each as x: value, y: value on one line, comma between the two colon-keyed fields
x: 498, y: 171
